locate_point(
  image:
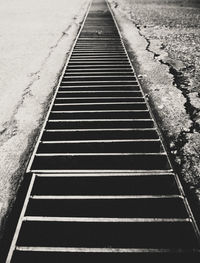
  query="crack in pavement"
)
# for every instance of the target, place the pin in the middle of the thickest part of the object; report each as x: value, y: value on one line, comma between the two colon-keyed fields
x: 183, y: 139
x: 10, y: 127
x: 181, y: 83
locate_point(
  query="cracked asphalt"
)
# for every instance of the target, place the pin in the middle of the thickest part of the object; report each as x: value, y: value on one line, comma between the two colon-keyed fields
x: 163, y: 40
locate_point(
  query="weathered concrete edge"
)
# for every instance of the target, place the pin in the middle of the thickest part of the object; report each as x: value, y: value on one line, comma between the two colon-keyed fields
x: 159, y: 84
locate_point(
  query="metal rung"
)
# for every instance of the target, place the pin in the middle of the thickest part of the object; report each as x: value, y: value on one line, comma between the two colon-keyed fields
x: 83, y: 197
x: 98, y: 54
x: 107, y: 38
x: 111, y: 220
x: 71, y: 66
x: 93, y: 111
x: 94, y: 57
x: 100, y: 86
x: 102, y: 141
x: 100, y: 154
x: 99, y: 91
x: 103, y: 174
x: 102, y: 62
x: 100, y: 70
x: 67, y: 76
x: 156, y: 171
x: 91, y: 98
x: 100, y: 103
x: 109, y: 129
x: 104, y: 250
x: 96, y: 73
x: 101, y: 120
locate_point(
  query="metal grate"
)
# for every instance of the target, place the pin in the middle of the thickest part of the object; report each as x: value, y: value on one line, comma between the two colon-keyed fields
x: 102, y: 186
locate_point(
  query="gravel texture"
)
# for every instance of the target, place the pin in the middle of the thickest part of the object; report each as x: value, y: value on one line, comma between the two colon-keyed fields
x: 163, y: 39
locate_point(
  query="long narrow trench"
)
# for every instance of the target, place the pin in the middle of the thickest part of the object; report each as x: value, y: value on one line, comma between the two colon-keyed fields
x: 102, y: 186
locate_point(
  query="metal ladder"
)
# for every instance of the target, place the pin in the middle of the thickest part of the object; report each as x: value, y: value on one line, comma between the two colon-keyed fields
x: 102, y: 187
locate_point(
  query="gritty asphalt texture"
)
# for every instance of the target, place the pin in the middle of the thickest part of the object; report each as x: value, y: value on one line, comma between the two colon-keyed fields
x: 171, y: 29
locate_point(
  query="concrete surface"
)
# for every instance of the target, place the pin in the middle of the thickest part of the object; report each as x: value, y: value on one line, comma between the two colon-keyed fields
x: 35, y: 40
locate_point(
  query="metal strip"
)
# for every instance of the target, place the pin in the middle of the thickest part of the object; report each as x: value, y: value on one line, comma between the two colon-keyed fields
x: 20, y: 221
x: 104, y: 219
x: 85, y: 171
x: 103, y: 250
x: 100, y: 141
x: 101, y: 197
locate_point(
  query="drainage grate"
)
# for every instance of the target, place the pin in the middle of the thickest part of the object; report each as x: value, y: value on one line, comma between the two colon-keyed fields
x: 102, y: 186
